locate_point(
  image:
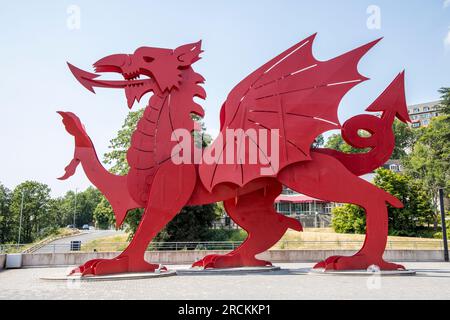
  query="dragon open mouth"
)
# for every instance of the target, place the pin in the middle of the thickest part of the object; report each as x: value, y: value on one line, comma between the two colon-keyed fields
x: 88, y: 79
x: 135, y: 83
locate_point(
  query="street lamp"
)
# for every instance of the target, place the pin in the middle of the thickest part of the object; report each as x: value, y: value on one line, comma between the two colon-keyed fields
x: 21, y: 214
x: 20, y: 219
x: 75, y: 209
x: 444, y: 226
x: 36, y: 215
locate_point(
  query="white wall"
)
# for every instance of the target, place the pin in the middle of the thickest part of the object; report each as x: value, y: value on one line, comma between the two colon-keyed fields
x: 188, y: 257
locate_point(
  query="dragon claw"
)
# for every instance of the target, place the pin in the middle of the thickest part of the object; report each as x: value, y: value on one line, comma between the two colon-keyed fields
x: 356, y: 262
x: 120, y: 264
x: 75, y: 128
x: 214, y: 261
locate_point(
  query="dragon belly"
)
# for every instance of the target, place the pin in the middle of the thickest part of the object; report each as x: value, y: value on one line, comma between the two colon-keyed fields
x: 141, y: 155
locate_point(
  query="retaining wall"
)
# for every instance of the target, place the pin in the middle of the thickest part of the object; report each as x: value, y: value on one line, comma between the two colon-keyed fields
x: 188, y: 257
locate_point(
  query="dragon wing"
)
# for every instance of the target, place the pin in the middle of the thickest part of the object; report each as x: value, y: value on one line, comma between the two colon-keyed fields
x: 293, y: 93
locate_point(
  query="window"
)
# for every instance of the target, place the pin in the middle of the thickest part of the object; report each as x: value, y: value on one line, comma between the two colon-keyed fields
x: 425, y: 122
x: 415, y: 125
x: 284, y: 207
x: 394, y: 167
x: 416, y: 110
x: 426, y: 108
x: 328, y: 206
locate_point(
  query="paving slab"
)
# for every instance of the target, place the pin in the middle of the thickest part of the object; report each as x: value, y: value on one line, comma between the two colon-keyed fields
x: 432, y: 281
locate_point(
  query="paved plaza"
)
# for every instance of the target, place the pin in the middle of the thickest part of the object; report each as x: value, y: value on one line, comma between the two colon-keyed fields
x: 432, y: 281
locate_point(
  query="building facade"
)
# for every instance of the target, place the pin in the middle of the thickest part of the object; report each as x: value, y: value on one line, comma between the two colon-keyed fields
x: 422, y: 113
x: 311, y: 212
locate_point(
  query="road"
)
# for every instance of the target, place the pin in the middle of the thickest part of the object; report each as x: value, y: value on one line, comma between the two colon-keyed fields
x: 63, y: 245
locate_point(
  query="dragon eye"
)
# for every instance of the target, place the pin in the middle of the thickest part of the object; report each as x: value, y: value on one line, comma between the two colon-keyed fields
x: 148, y: 59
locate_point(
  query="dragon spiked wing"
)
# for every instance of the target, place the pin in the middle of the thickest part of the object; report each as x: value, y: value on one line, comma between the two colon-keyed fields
x: 293, y: 96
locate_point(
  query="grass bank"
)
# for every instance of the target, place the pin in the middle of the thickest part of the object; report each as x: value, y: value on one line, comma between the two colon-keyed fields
x: 310, y: 239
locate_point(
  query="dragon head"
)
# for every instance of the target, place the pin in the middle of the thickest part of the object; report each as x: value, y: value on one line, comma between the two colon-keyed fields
x: 147, y: 69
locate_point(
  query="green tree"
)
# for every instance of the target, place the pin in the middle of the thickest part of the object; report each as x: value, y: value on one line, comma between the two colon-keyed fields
x: 348, y: 218
x: 65, y: 207
x: 404, y: 139
x: 429, y: 161
x: 53, y: 217
x: 87, y: 201
x: 319, y: 141
x: 116, y: 157
x: 445, y: 100
x: 34, y: 216
x: 417, y: 208
x: 5, y: 215
x: 192, y: 224
x: 336, y: 142
x: 103, y: 214
x: 81, y: 205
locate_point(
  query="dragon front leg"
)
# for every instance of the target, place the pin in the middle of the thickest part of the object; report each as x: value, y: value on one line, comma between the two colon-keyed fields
x: 171, y: 189
x: 255, y: 213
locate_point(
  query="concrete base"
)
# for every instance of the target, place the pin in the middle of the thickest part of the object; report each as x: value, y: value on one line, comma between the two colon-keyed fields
x: 13, y: 261
x: 366, y: 273
x: 112, y: 277
x: 189, y: 256
x: 224, y: 271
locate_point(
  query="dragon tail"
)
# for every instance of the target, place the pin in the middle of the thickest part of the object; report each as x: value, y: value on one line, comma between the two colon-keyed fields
x: 392, y: 104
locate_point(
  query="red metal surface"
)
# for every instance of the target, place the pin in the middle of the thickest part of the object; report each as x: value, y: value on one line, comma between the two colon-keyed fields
x: 293, y: 93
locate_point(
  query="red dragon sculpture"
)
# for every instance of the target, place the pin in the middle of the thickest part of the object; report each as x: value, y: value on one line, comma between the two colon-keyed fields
x: 295, y: 96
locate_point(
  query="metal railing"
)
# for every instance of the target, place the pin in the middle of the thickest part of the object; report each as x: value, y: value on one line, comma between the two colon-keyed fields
x: 426, y: 244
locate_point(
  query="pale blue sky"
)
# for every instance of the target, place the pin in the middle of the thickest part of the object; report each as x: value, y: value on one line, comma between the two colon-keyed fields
x: 238, y: 36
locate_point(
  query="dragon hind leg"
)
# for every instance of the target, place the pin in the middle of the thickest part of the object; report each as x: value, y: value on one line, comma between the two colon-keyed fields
x: 324, y: 177
x: 255, y: 213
